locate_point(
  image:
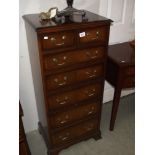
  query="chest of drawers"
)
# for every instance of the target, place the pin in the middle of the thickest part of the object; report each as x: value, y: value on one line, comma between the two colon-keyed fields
x: 72, y: 58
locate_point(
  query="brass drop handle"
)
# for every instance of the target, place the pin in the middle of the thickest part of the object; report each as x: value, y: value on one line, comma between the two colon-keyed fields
x: 64, y: 119
x: 92, y: 56
x: 58, y: 44
x: 63, y: 83
x: 62, y: 102
x: 90, y: 127
x: 53, y: 39
x: 92, y: 110
x: 97, y: 35
x: 55, y: 60
x: 91, y: 74
x: 64, y: 137
x: 92, y: 93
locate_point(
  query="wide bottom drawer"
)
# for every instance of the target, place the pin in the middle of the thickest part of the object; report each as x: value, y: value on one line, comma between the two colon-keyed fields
x: 75, y: 131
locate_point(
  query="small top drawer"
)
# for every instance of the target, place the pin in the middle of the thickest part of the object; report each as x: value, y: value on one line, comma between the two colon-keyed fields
x: 58, y: 40
x: 93, y: 35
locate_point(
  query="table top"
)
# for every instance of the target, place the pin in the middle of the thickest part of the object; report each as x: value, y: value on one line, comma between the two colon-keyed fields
x: 123, y: 54
x: 34, y: 20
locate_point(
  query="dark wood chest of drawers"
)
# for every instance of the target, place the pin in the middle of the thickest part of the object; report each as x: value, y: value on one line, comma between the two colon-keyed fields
x: 72, y: 61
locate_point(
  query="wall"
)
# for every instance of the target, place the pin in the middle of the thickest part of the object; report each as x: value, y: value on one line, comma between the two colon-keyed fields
x: 26, y: 88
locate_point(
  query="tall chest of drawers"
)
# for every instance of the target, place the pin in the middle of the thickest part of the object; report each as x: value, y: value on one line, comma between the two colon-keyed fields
x: 68, y: 76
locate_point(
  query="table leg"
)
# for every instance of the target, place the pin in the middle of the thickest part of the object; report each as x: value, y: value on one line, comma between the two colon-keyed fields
x: 115, y: 105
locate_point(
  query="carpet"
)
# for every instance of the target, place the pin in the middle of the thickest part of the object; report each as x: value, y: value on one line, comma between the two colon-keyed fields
x: 121, y: 141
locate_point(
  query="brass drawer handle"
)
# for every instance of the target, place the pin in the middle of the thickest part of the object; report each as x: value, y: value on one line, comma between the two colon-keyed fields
x: 62, y: 102
x: 90, y: 93
x: 65, y: 119
x: 53, y: 39
x: 90, y: 74
x: 90, y: 111
x: 63, y: 83
x: 60, y: 44
x: 90, y: 127
x: 62, y: 122
x: 59, y: 64
x: 97, y: 36
x: 64, y: 137
x: 92, y: 56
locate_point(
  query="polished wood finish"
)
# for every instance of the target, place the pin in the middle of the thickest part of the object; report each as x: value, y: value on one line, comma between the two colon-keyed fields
x: 73, y: 75
x: 120, y: 73
x: 23, y: 145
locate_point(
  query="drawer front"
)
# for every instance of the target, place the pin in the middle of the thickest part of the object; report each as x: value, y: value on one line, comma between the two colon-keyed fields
x: 58, y: 40
x: 64, y: 79
x: 75, y: 132
x: 70, y: 97
x: 74, y: 114
x: 129, y: 82
x: 130, y: 71
x: 69, y: 58
x: 93, y: 35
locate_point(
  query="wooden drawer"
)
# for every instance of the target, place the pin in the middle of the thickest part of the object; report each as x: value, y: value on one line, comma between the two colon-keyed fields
x: 58, y: 40
x: 64, y: 79
x: 74, y: 96
x: 69, y: 58
x: 75, y: 132
x: 76, y: 113
x: 130, y: 71
x: 93, y: 35
x: 129, y: 82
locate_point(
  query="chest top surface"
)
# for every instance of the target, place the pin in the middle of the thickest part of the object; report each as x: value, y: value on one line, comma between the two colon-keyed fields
x: 34, y: 21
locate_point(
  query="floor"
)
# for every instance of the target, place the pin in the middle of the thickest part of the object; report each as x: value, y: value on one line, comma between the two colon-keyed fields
x: 119, y: 142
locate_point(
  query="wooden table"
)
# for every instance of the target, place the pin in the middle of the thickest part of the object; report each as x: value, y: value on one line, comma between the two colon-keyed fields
x: 120, y: 72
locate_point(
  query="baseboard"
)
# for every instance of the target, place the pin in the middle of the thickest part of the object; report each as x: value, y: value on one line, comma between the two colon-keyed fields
x: 109, y: 93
